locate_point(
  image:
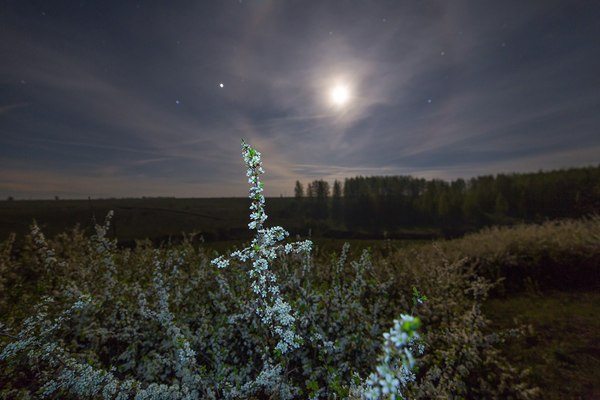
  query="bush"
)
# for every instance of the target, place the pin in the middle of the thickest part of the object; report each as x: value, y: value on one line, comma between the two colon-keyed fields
x: 563, y: 254
x: 270, y: 321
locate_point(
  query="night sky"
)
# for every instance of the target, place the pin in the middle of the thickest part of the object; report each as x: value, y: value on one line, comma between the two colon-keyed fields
x: 131, y: 99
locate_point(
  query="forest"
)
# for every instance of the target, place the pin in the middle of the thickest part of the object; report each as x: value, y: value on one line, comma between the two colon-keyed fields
x: 386, y: 203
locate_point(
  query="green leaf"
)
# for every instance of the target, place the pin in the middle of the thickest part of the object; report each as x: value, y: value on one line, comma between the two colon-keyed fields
x: 313, y: 386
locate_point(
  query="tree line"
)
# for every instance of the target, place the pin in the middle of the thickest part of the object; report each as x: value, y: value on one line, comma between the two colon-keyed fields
x: 389, y: 202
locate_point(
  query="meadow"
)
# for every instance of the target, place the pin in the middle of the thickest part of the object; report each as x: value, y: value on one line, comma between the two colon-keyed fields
x: 507, y: 312
x: 168, y: 219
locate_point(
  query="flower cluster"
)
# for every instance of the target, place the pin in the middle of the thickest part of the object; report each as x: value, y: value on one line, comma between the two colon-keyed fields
x: 46, y: 254
x: 394, y: 370
x: 184, y: 363
x: 104, y: 248
x: 273, y: 310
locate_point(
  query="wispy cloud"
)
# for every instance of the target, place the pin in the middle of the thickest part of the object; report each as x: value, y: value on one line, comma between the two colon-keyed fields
x: 9, y: 107
x: 438, y: 89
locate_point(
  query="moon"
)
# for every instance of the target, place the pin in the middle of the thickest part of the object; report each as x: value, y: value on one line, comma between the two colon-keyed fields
x: 339, y: 95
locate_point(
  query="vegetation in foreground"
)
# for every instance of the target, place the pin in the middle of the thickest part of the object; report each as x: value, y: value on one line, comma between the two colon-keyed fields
x: 167, y: 323
x: 115, y: 333
x: 97, y: 321
x: 342, y: 309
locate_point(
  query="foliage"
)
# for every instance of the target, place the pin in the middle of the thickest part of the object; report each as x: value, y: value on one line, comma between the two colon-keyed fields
x: 558, y: 254
x: 387, y: 202
x: 168, y: 323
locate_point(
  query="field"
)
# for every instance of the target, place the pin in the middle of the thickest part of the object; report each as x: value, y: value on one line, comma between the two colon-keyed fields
x: 561, y: 346
x: 155, y: 219
x: 533, y: 334
x: 164, y: 219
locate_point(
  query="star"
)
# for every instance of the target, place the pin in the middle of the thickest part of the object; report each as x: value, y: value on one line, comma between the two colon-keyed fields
x: 221, y: 85
x: 176, y: 101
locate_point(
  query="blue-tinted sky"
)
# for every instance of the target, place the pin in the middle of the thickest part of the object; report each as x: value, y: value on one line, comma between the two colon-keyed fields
x: 123, y: 98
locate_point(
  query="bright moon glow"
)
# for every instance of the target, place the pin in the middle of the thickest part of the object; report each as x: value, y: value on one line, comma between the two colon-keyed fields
x: 221, y: 85
x: 339, y: 95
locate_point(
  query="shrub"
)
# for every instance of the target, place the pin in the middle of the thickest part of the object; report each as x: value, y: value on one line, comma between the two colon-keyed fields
x: 562, y: 254
x: 269, y: 321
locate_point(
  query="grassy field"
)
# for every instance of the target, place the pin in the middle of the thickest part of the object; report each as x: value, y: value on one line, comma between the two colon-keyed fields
x: 155, y: 219
x: 164, y: 219
x: 562, y: 344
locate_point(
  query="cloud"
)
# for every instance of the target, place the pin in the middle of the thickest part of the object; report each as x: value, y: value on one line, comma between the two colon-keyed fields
x: 438, y: 88
x: 26, y: 183
x: 9, y: 107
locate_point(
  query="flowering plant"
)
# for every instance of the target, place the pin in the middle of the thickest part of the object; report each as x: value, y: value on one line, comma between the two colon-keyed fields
x: 164, y: 323
x: 263, y: 250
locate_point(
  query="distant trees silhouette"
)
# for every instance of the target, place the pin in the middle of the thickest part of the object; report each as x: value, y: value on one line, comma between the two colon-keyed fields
x: 378, y: 203
x: 337, y: 206
x: 317, y: 193
x: 298, y: 190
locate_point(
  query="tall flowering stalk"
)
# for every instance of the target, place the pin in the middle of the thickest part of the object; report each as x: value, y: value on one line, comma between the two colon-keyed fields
x: 273, y: 310
x: 394, y: 370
